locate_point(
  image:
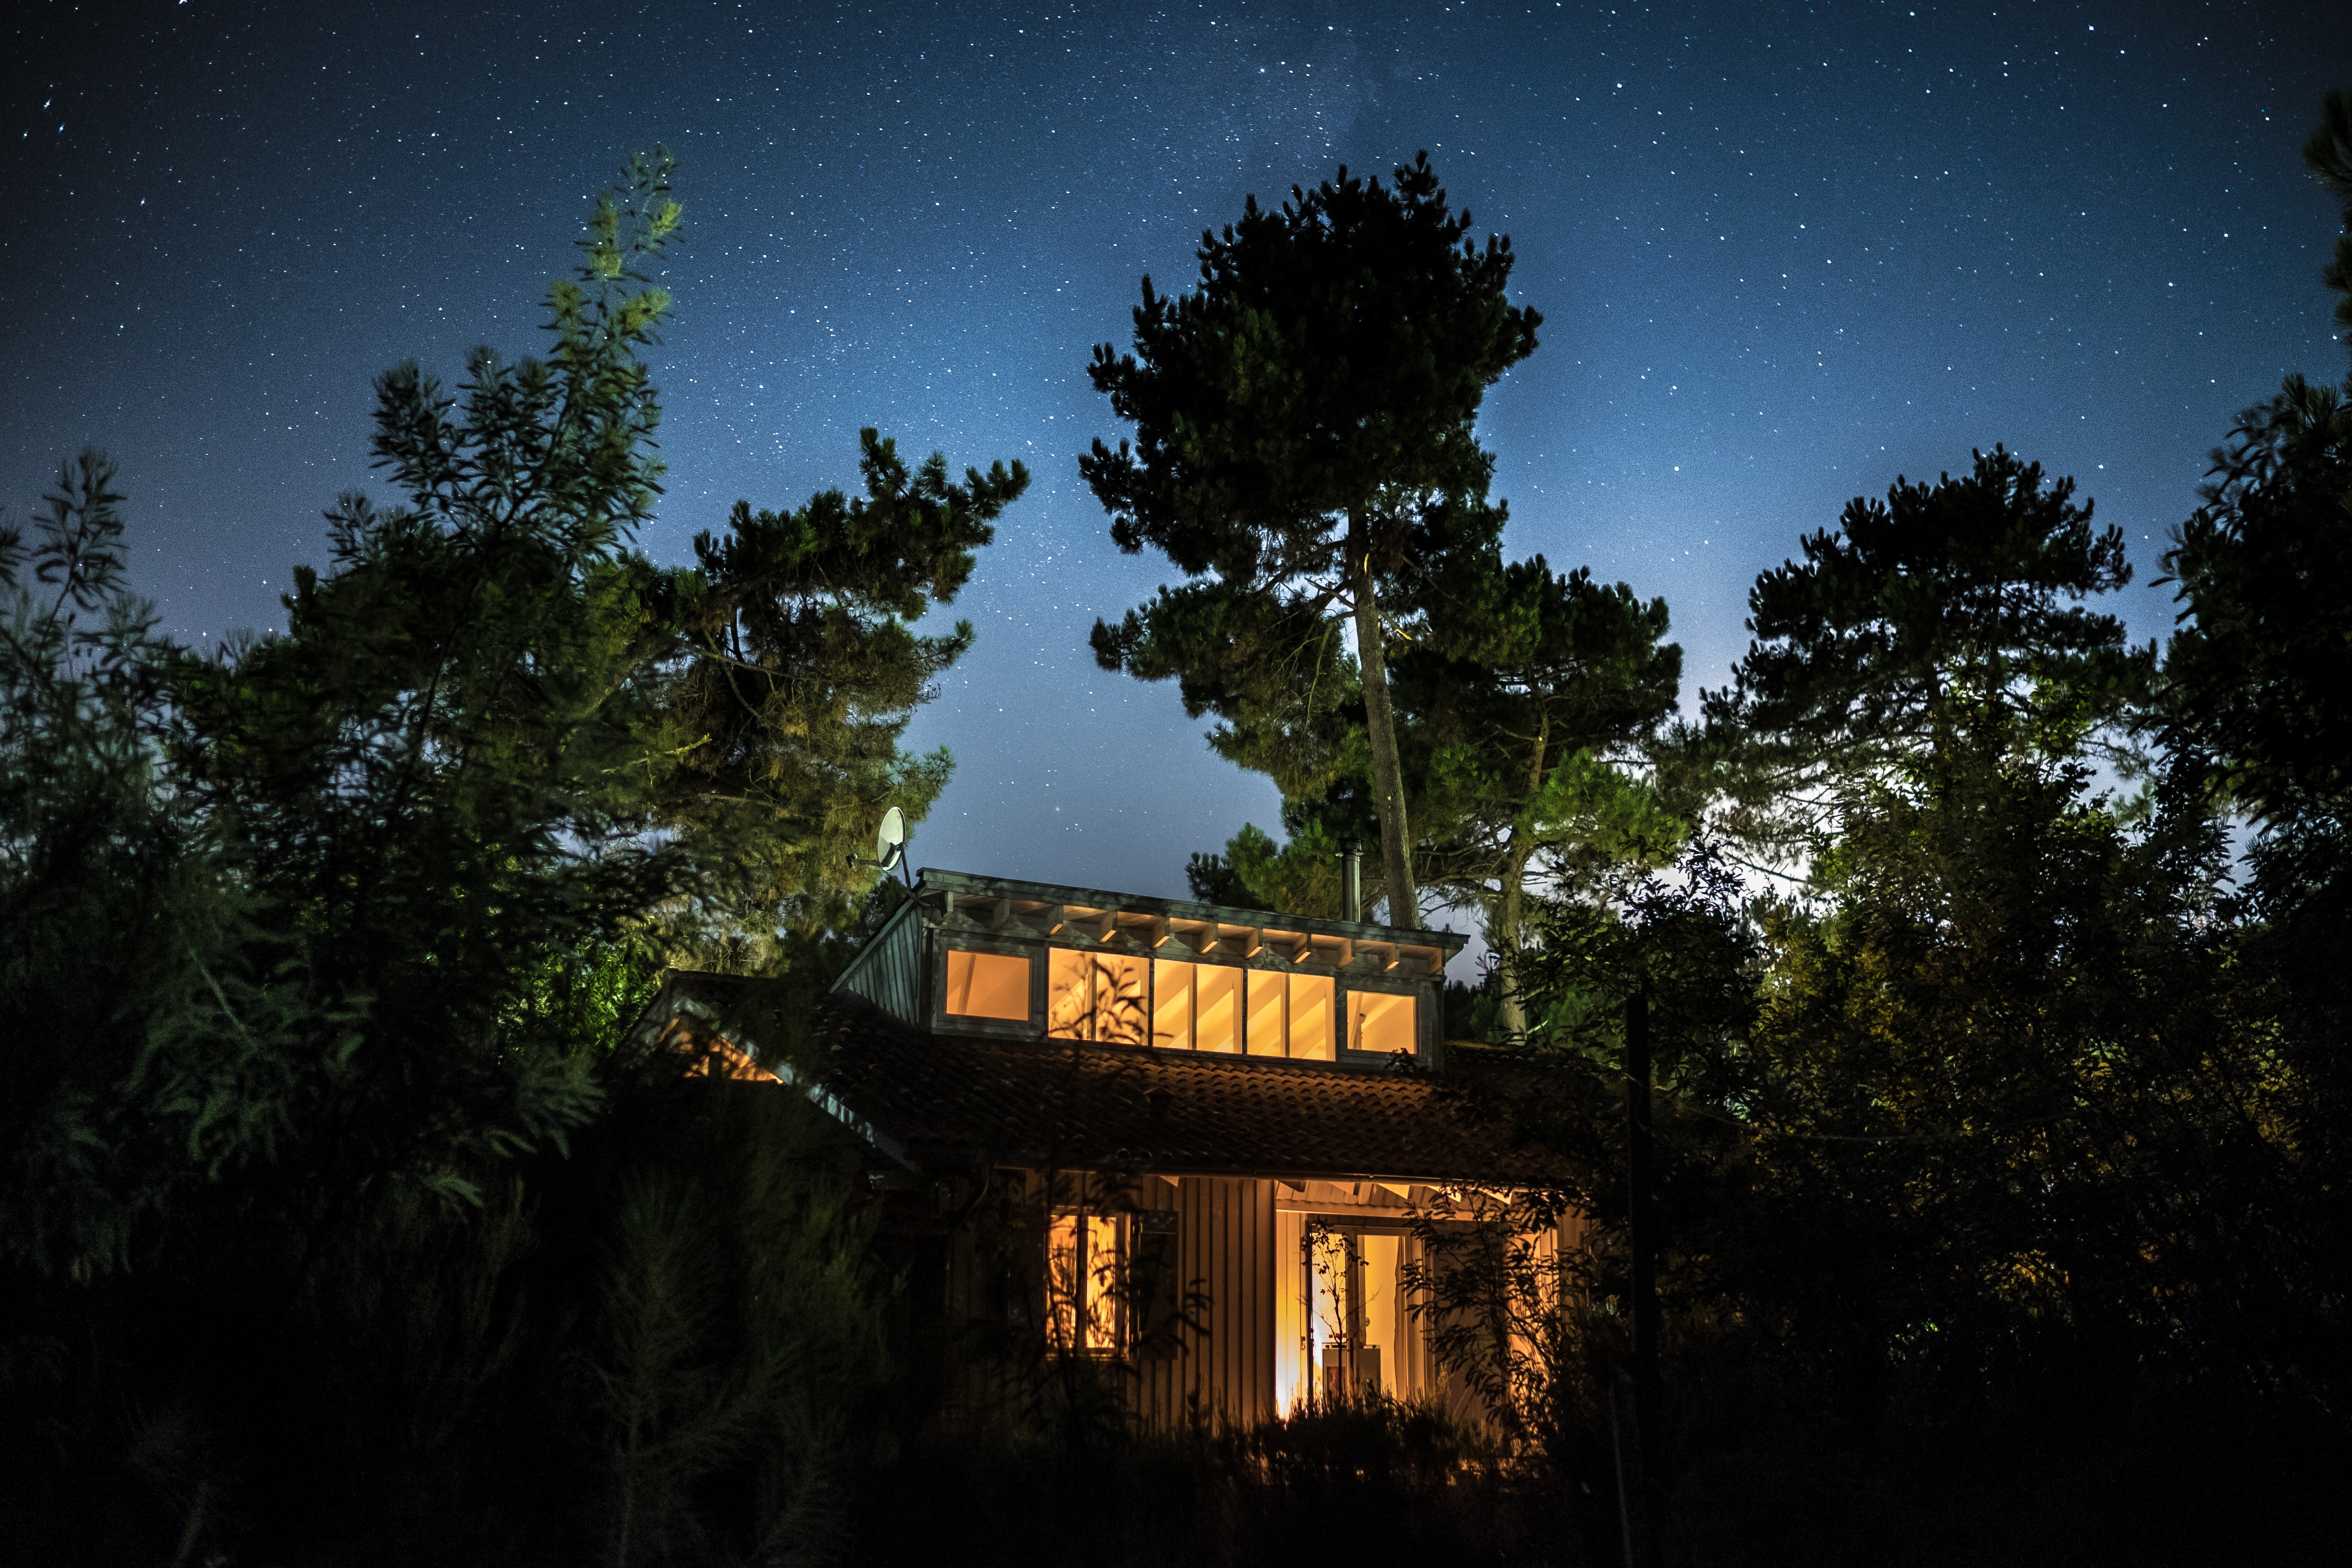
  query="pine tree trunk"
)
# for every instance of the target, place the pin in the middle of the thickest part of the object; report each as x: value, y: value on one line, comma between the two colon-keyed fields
x: 1503, y: 936
x: 1511, y: 910
x: 1380, y: 721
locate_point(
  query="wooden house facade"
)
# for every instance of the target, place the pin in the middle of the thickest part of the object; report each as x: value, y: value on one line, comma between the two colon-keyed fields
x: 1203, y: 1144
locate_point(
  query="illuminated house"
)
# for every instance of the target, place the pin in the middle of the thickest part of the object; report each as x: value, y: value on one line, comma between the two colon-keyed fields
x: 1213, y: 1124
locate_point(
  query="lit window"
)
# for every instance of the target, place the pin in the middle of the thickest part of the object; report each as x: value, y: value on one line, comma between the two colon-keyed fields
x: 1310, y: 1017
x: 1095, y: 996
x: 1382, y: 1022
x: 1171, y: 1005
x: 987, y: 984
x: 1085, y: 1287
x: 1268, y: 1031
x: 1216, y: 1007
x: 1355, y: 1321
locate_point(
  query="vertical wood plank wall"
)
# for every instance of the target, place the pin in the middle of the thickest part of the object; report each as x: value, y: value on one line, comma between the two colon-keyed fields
x: 1233, y: 1249
x: 1225, y: 1236
x: 889, y: 972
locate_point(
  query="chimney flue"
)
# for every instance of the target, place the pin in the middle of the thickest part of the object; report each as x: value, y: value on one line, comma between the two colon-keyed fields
x: 1351, y: 879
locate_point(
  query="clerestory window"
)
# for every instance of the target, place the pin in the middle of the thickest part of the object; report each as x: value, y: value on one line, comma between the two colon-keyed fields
x: 1132, y: 999
x: 987, y: 984
x: 1253, y: 1012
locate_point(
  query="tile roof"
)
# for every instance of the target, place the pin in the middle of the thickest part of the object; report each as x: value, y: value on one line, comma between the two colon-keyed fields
x: 954, y: 1098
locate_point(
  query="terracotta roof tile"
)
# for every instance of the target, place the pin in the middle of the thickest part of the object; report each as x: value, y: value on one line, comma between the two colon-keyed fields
x: 1080, y: 1106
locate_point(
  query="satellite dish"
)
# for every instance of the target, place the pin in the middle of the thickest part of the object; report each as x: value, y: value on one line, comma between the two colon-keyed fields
x: 891, y: 840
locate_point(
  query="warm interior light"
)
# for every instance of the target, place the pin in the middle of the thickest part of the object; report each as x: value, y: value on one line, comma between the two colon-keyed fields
x: 1095, y: 996
x: 1268, y: 1033
x: 1310, y: 1017
x: 987, y: 984
x: 1381, y: 1021
x: 1216, y: 1007
x: 1081, y: 1283
x: 1342, y: 1321
x: 1171, y: 1005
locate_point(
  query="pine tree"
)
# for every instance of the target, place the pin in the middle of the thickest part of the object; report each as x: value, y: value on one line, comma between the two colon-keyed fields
x: 1523, y: 728
x: 1303, y: 440
x: 800, y: 675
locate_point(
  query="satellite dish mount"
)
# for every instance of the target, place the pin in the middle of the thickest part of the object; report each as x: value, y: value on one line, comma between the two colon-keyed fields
x: 889, y: 845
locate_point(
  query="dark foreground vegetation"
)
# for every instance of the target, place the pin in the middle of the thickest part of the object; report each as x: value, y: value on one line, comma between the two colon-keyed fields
x: 1947, y: 1037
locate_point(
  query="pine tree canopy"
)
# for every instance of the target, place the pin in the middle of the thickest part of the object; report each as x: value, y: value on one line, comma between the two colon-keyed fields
x: 1946, y: 615
x: 1303, y: 448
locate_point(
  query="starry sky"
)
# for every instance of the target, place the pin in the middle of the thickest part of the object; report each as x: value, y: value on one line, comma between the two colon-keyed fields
x: 1785, y: 252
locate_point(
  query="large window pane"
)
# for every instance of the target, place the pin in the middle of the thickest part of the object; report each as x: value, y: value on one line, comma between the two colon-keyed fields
x: 1118, y: 999
x: 987, y: 984
x: 1217, y: 1008
x: 1171, y: 1005
x: 1310, y: 1016
x: 1069, y: 1010
x: 1095, y: 996
x: 1268, y: 993
x: 1381, y: 1021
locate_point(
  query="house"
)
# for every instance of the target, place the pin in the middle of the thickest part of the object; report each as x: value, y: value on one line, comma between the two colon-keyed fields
x: 1212, y: 1141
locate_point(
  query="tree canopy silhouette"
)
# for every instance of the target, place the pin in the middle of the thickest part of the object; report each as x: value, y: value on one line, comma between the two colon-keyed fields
x: 1303, y: 441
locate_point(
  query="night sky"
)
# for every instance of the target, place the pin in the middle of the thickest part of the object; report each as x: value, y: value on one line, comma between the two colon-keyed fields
x: 1784, y: 253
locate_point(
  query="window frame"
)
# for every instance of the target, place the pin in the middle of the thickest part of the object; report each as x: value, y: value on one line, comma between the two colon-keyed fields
x: 1122, y: 1334
x: 1093, y: 1010
x: 1412, y: 990
x: 1033, y: 1026
x: 1039, y: 956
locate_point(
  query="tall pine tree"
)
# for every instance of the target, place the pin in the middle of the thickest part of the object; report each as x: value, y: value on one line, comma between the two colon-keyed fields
x: 1303, y: 449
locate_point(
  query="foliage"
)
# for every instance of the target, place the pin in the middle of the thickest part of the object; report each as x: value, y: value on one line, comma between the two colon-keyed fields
x: 430, y: 777
x: 737, y: 1321
x: 2328, y: 155
x: 804, y: 674
x: 1303, y: 441
x: 1299, y: 876
x: 2252, y: 715
x: 1508, y: 1315
x: 317, y: 958
x: 1520, y: 730
x: 1938, y: 619
x: 151, y: 1040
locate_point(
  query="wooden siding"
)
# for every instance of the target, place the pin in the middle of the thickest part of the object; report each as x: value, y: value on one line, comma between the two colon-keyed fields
x: 1225, y: 1235
x: 1238, y: 1241
x: 889, y: 972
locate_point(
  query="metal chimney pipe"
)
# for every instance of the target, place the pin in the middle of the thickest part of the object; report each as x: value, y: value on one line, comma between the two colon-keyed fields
x: 1351, y: 879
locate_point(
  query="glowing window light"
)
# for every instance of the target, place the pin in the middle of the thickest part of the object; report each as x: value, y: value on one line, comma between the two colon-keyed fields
x: 987, y: 984
x: 1347, y: 1305
x: 1085, y: 1300
x: 1268, y: 1034
x: 1171, y: 1005
x: 1097, y: 997
x: 1310, y: 1017
x: 1382, y: 1022
x: 1216, y: 1009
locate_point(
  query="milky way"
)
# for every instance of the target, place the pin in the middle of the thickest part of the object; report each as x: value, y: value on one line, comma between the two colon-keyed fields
x: 1784, y: 253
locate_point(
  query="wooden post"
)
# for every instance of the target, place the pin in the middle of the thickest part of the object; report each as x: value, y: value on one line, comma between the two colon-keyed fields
x: 1641, y: 1230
